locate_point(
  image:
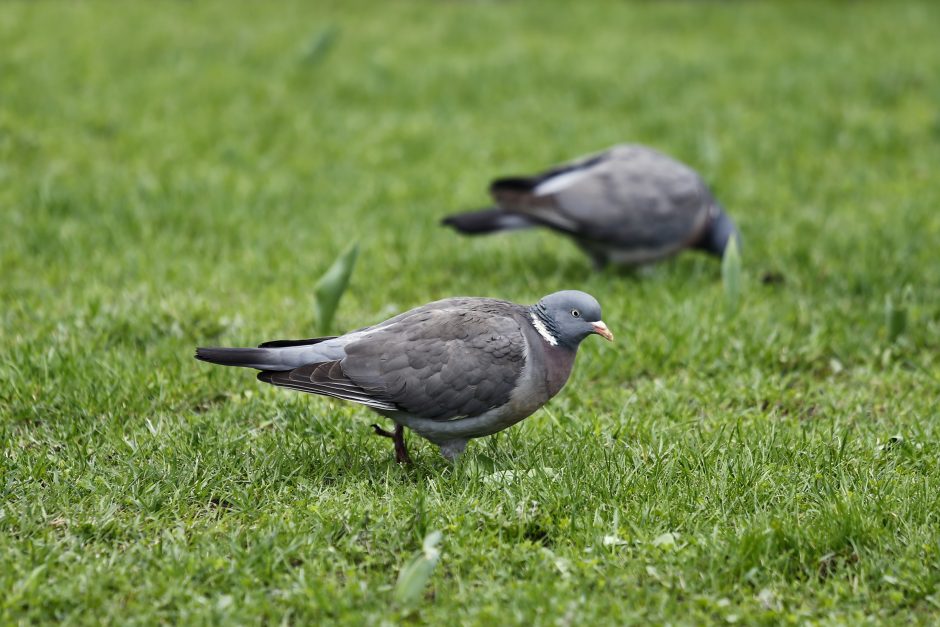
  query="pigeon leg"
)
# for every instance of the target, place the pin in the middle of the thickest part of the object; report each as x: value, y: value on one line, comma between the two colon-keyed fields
x: 398, y: 437
x: 401, y: 452
x: 599, y: 256
x: 453, y: 449
x: 599, y: 261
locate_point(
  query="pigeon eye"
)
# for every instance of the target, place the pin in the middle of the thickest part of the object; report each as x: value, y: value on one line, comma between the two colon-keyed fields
x: 575, y: 313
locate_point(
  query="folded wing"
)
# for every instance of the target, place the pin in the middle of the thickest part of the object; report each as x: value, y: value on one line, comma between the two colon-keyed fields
x: 629, y: 196
x: 445, y: 361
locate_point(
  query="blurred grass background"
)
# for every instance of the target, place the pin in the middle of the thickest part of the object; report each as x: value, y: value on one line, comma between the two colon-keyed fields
x: 174, y: 174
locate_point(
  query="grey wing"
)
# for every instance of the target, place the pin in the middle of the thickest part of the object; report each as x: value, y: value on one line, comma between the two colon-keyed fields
x: 630, y: 196
x: 326, y: 379
x: 442, y: 364
x: 325, y: 375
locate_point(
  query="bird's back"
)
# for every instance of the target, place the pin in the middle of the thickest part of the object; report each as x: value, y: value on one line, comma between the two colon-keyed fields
x: 629, y: 196
x: 448, y: 359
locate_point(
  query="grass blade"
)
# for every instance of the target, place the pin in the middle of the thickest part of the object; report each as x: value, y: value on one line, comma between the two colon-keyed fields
x: 731, y: 275
x: 415, y: 575
x: 320, y: 45
x: 332, y: 285
x: 895, y: 319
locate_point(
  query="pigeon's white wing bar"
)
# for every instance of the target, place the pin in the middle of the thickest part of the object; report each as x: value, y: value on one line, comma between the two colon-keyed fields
x: 560, y: 182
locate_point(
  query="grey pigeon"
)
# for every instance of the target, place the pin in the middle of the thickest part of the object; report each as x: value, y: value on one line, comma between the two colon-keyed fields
x: 629, y: 205
x: 451, y: 370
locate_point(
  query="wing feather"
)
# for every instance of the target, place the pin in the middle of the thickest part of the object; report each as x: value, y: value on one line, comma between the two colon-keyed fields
x: 444, y: 361
x: 627, y: 196
x: 425, y: 364
x: 326, y: 379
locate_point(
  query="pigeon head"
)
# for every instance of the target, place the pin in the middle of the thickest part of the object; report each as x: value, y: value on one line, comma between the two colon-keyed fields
x: 566, y: 318
x: 719, y: 232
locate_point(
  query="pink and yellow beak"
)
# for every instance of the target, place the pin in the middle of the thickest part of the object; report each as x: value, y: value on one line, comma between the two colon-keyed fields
x: 601, y: 329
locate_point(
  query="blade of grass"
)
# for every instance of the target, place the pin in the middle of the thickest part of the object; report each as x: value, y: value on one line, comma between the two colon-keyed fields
x: 332, y: 285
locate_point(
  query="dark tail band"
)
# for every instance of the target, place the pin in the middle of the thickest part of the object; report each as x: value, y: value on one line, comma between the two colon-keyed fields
x: 486, y: 221
x: 245, y: 357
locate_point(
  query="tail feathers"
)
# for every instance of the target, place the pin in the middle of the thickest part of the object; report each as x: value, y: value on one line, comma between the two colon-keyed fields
x: 286, y: 343
x: 517, y: 184
x: 487, y: 221
x: 259, y: 358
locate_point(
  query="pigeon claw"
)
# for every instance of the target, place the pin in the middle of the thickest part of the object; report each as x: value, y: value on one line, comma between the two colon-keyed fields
x: 383, y: 432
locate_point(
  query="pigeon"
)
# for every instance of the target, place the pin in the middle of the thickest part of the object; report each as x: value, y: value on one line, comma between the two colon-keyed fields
x: 629, y: 205
x: 451, y: 370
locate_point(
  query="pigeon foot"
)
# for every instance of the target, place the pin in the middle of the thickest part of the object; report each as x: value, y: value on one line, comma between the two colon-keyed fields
x: 452, y: 449
x: 398, y: 437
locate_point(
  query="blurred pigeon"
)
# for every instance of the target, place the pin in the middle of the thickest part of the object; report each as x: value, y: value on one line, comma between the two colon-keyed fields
x: 452, y: 370
x: 629, y: 205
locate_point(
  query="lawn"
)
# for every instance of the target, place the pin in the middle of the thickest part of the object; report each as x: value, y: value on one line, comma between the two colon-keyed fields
x: 180, y: 174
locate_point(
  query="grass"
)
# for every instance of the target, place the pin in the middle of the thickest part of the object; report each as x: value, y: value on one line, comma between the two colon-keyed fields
x: 181, y: 174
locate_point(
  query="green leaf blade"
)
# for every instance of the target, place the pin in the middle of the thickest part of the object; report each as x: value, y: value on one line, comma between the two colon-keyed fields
x: 332, y: 285
x: 731, y: 275
x: 414, y: 577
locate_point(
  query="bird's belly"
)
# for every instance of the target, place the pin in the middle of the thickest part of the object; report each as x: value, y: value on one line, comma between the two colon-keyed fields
x: 487, y: 423
x: 635, y: 256
x: 640, y: 256
x: 531, y: 393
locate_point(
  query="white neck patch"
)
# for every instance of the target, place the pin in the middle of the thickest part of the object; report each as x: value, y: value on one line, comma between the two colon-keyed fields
x: 546, y: 335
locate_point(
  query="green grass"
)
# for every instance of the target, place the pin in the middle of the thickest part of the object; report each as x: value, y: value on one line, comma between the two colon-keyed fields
x: 181, y: 174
